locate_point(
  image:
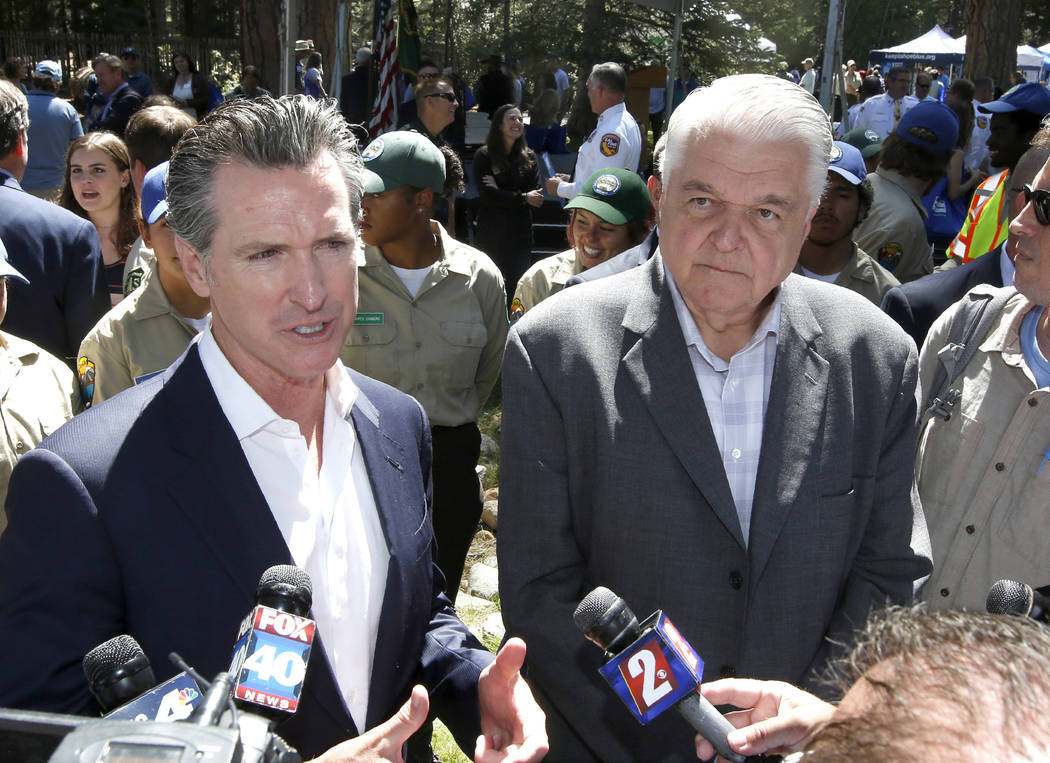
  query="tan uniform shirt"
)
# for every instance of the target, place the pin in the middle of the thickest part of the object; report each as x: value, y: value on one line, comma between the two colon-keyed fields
x: 38, y: 394
x: 546, y: 277
x: 981, y: 478
x: 864, y: 276
x: 893, y: 233
x: 445, y: 345
x: 138, y: 338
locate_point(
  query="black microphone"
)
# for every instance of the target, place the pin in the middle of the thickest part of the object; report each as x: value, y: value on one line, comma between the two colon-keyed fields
x: 117, y: 671
x: 1008, y: 597
x: 651, y: 666
x: 273, y: 644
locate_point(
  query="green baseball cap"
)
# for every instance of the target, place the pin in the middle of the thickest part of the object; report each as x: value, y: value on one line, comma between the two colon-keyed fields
x: 402, y: 158
x: 868, y: 141
x: 615, y: 195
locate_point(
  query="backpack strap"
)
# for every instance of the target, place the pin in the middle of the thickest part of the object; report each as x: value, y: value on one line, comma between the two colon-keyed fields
x: 970, y: 322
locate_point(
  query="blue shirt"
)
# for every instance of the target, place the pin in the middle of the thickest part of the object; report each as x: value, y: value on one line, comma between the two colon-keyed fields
x: 53, y: 124
x: 141, y: 84
x: 1033, y: 355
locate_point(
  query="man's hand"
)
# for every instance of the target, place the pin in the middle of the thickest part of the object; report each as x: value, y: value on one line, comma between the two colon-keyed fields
x: 385, y: 741
x: 552, y: 185
x: 513, y: 728
x: 780, y: 718
x: 534, y: 198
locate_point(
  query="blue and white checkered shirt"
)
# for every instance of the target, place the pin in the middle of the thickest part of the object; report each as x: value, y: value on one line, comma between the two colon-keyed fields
x: 736, y: 395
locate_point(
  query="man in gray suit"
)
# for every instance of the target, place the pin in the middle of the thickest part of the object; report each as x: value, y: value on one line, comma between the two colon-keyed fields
x: 709, y: 434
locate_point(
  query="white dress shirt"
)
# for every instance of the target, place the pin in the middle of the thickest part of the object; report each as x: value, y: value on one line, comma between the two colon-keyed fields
x: 328, y: 518
x: 615, y: 142
x: 736, y: 395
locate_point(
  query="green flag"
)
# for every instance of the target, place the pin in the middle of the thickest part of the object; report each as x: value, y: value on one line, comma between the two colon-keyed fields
x: 408, y: 38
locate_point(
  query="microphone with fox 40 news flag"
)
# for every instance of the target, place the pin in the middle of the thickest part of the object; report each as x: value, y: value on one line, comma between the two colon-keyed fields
x: 651, y: 666
x: 120, y: 677
x: 273, y: 644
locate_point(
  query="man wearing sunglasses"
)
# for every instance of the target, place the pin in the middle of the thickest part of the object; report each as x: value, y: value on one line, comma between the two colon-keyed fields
x: 981, y: 462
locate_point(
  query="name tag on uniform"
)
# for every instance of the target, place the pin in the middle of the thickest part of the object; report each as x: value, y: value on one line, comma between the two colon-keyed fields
x: 369, y: 319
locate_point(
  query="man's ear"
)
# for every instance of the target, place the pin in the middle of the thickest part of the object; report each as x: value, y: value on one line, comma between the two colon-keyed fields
x: 193, y: 267
x: 425, y: 198
x: 862, y: 212
x: 144, y: 232
x: 138, y: 175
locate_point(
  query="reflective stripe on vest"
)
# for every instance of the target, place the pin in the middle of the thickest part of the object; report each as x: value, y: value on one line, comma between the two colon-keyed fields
x: 983, y: 230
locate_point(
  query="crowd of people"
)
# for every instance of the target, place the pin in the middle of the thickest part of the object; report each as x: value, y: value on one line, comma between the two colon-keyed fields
x: 759, y: 391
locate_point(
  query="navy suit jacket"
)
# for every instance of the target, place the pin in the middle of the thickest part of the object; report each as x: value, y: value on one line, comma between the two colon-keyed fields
x: 917, y: 304
x: 59, y: 253
x: 142, y: 516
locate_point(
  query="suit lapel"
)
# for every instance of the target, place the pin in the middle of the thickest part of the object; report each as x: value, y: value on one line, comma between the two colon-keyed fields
x: 791, y: 436
x: 385, y: 461
x: 659, y: 366
x: 234, y: 522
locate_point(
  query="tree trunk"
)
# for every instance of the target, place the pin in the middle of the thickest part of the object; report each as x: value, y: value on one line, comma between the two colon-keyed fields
x: 581, y: 119
x: 993, y: 30
x: 261, y: 39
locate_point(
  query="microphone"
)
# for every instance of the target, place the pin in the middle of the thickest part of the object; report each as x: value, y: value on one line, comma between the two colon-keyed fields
x: 121, y: 679
x: 651, y: 667
x: 1008, y: 597
x: 273, y: 644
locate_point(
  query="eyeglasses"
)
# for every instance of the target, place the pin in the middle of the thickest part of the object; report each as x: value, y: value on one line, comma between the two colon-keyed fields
x: 1039, y: 198
x: 428, y: 76
x: 447, y: 96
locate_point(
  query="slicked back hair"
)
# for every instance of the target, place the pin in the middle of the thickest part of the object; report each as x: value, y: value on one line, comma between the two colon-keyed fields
x: 265, y: 133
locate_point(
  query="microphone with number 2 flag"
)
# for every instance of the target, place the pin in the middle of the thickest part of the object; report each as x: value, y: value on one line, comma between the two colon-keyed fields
x: 651, y: 666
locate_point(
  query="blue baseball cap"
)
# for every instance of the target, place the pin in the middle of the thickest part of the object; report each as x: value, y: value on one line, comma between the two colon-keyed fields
x: 154, y: 198
x: 1031, y: 96
x: 7, y: 270
x: 931, y: 125
x: 847, y: 161
x: 49, y: 70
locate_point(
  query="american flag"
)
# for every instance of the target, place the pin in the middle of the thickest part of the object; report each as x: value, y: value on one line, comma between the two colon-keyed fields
x: 384, y: 113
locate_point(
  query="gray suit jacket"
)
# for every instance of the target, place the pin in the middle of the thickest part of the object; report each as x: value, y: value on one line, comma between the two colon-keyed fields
x: 610, y: 475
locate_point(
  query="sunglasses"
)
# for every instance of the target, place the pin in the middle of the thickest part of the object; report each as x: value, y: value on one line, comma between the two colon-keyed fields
x: 1040, y: 201
x: 427, y: 76
x: 447, y: 96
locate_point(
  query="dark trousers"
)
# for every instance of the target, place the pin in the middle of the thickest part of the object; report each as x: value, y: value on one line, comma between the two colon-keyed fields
x: 457, y: 498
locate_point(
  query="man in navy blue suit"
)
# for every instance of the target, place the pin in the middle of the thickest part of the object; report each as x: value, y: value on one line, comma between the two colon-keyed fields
x: 916, y: 305
x: 155, y: 514
x: 55, y: 249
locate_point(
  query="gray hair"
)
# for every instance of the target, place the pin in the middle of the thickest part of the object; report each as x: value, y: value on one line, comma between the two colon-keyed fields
x: 611, y: 76
x: 14, y: 116
x: 289, y: 132
x: 658, y: 157
x: 942, y: 682
x: 758, y: 108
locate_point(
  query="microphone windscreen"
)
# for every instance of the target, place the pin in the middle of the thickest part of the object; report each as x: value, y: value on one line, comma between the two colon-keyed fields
x: 1008, y: 597
x: 286, y: 580
x: 593, y: 608
x: 111, y: 656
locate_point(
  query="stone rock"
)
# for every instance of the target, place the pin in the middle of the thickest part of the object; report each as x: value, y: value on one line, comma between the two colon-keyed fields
x: 483, y: 581
x: 490, y: 514
x: 489, y: 447
x: 493, y: 627
x: 467, y: 603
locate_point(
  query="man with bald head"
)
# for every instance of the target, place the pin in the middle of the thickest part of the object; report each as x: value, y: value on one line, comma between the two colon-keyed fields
x: 689, y: 433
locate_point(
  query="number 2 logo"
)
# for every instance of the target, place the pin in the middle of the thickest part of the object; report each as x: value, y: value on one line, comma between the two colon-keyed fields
x: 656, y: 682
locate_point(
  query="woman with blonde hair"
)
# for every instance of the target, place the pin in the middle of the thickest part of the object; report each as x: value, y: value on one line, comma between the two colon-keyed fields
x: 98, y: 187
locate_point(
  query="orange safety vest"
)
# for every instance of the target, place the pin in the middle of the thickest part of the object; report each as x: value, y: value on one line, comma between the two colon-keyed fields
x: 983, y: 229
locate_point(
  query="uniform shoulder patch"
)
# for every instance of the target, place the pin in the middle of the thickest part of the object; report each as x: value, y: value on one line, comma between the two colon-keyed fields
x: 133, y: 281
x: 516, y: 310
x: 890, y: 255
x: 86, y: 377
x: 610, y: 144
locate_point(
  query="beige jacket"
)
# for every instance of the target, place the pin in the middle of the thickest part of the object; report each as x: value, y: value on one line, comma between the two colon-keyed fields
x: 980, y: 473
x: 38, y: 394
